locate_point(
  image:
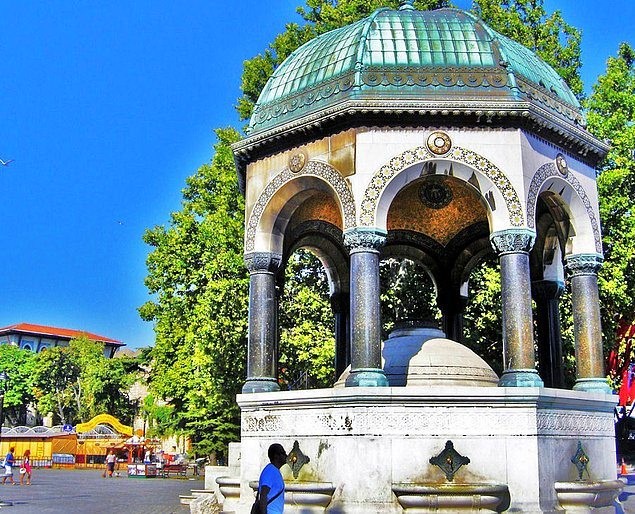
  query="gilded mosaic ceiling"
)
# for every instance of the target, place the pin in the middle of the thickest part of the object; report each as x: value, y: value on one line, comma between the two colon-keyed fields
x: 437, y: 206
x: 319, y: 207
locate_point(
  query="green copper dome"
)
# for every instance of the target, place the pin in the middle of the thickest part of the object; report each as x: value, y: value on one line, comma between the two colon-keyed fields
x: 414, y: 59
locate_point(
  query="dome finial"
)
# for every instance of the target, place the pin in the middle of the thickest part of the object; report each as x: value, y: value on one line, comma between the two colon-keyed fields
x: 406, y: 5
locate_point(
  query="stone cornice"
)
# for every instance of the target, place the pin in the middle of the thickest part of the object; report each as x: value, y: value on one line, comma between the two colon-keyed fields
x: 467, y: 112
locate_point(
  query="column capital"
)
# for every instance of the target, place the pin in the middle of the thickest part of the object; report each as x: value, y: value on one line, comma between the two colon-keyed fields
x: 364, y: 239
x: 512, y: 240
x: 583, y: 264
x: 262, y: 262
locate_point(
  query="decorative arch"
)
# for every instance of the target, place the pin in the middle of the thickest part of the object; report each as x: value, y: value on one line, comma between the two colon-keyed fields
x: 421, y: 154
x: 104, y: 419
x: 319, y: 169
x: 542, y: 175
x: 327, y: 243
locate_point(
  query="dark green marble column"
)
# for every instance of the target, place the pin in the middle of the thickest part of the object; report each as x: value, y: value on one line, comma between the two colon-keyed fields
x: 513, y: 247
x: 340, y: 303
x: 366, y: 369
x: 452, y: 305
x: 550, y: 364
x: 262, y: 337
x: 583, y: 270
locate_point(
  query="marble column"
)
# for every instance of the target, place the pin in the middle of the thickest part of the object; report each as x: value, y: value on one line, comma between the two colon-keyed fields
x: 513, y: 247
x: 550, y: 364
x: 583, y: 270
x: 452, y: 307
x: 363, y: 245
x: 340, y: 303
x: 262, y: 334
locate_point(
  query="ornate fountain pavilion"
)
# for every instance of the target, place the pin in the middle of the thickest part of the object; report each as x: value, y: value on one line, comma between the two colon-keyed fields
x: 426, y: 135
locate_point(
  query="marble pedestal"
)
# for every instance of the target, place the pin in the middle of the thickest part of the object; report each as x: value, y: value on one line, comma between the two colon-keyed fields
x: 365, y: 440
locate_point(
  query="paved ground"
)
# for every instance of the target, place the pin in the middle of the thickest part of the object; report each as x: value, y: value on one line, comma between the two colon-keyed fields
x: 627, y: 498
x: 55, y: 491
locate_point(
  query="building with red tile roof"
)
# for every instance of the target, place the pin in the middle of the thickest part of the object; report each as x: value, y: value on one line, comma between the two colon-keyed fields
x: 35, y: 338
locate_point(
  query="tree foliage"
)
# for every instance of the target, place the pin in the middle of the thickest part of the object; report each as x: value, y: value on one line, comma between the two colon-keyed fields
x: 20, y: 367
x: 197, y: 276
x: 611, y: 117
x: 78, y: 382
x: 307, y: 343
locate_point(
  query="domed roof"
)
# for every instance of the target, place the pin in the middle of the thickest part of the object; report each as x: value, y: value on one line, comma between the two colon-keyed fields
x: 413, y: 60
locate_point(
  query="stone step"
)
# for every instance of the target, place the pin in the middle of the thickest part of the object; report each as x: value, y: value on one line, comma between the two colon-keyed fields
x: 186, y: 499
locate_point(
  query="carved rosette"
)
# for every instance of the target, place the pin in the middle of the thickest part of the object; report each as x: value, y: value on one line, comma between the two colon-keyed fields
x: 262, y: 262
x: 513, y: 241
x: 363, y: 239
x: 583, y: 264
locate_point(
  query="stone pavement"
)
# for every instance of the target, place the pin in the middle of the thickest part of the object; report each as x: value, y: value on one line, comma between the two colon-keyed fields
x: 56, y: 491
x: 627, y: 498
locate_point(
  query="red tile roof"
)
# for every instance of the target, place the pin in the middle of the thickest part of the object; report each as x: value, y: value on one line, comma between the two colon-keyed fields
x: 66, y: 333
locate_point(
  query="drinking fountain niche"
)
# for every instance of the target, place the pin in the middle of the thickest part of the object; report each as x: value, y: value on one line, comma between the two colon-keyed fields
x: 588, y: 495
x: 450, y: 495
x: 304, y: 493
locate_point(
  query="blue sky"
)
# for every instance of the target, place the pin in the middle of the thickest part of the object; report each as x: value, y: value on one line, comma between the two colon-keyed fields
x: 106, y: 108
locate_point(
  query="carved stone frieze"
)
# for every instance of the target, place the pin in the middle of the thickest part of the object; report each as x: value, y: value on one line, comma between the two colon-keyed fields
x: 314, y: 168
x: 513, y: 241
x: 258, y: 262
x: 583, y: 264
x: 424, y: 422
x: 543, y: 174
x: 388, y: 171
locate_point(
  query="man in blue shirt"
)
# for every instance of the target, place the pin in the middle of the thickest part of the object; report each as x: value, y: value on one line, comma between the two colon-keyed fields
x: 271, y: 484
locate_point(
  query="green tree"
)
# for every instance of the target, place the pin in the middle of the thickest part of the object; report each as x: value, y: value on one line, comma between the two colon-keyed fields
x: 78, y: 382
x: 307, y: 342
x: 54, y: 379
x: 19, y: 366
x: 611, y: 116
x: 197, y: 276
x: 407, y: 294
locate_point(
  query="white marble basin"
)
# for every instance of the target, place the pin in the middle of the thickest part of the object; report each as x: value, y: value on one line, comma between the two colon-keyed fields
x: 583, y: 495
x: 305, y: 497
x: 450, y: 497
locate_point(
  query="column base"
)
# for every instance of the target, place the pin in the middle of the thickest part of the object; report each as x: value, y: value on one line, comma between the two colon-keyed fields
x: 592, y: 385
x: 367, y: 377
x: 260, y: 385
x: 520, y: 378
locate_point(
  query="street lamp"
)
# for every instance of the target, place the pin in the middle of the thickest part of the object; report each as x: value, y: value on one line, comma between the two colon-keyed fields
x: 4, y: 382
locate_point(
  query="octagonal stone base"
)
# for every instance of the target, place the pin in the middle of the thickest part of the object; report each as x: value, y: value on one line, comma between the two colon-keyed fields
x: 363, y: 441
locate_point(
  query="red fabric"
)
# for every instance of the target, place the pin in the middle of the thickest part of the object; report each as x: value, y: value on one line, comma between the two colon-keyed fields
x: 627, y: 389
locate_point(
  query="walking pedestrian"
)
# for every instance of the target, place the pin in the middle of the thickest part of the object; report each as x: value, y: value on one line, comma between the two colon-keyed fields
x: 9, y: 461
x: 25, y: 469
x: 111, y: 460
